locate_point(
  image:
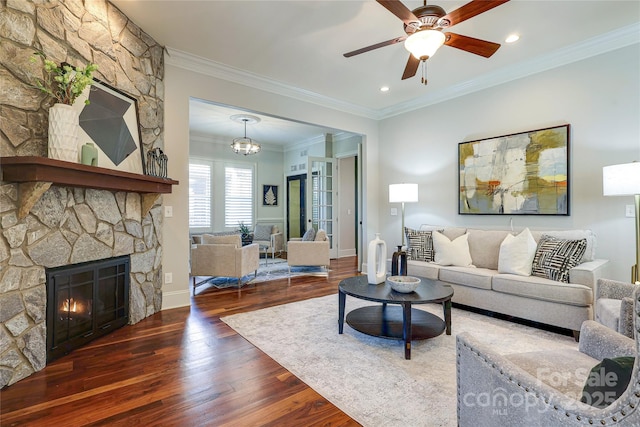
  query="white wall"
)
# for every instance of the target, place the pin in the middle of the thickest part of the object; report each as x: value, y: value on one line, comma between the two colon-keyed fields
x: 180, y: 84
x: 600, y: 99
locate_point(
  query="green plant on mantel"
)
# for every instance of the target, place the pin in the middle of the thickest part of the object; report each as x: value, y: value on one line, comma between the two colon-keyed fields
x: 63, y: 82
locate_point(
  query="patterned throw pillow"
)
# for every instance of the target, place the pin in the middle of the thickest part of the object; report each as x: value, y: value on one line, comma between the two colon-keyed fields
x: 419, y: 245
x: 262, y: 232
x: 555, y: 257
x: 309, y: 235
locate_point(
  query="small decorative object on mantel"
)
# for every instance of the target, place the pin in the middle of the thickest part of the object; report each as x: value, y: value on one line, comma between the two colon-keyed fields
x: 63, y: 83
x: 89, y: 154
x: 377, y: 261
x: 157, y: 163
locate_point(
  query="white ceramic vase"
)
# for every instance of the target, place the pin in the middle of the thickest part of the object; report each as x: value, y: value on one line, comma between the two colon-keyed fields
x: 377, y: 261
x: 63, y: 133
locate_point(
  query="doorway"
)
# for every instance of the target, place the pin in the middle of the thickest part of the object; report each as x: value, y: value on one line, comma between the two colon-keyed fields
x: 296, y: 205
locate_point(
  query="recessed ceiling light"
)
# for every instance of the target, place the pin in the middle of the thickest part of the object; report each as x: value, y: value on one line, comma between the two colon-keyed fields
x: 384, y: 89
x: 512, y: 38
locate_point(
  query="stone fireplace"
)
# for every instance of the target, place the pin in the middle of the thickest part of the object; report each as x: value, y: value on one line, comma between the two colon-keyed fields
x: 70, y: 224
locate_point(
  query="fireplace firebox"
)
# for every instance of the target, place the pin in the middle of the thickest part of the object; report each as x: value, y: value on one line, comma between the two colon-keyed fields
x: 84, y: 302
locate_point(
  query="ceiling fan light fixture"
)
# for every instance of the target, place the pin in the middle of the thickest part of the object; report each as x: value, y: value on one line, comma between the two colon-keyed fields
x: 424, y: 44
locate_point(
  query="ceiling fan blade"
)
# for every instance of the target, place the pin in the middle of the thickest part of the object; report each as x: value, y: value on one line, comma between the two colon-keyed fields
x: 375, y: 46
x: 411, y: 68
x: 400, y: 10
x: 469, y: 44
x: 469, y: 10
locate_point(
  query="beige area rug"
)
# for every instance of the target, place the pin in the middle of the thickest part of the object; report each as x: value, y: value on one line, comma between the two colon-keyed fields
x: 367, y: 377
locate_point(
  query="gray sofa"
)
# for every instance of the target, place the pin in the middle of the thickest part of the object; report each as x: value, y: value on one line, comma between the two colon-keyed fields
x: 533, y: 298
x: 544, y: 388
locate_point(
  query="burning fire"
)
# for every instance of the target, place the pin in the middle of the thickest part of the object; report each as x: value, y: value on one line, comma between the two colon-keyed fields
x: 70, y: 306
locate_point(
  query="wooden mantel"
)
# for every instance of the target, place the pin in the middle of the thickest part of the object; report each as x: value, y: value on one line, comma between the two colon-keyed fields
x: 36, y: 174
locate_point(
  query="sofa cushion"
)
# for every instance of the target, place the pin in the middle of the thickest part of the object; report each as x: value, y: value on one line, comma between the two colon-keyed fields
x: 429, y: 270
x: 555, y: 257
x: 450, y: 252
x: 450, y: 232
x: 608, y: 312
x: 589, y: 253
x: 262, y: 232
x: 473, y: 277
x: 542, y: 289
x: 516, y: 253
x: 321, y: 236
x: 309, y: 235
x: 419, y: 245
x: 484, y: 247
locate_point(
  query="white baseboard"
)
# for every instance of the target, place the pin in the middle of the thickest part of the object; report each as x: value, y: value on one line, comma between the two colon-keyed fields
x: 346, y: 252
x: 175, y: 299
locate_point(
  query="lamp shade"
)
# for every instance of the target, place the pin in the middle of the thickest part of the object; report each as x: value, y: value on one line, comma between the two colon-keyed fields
x: 399, y: 193
x: 424, y: 44
x: 621, y: 180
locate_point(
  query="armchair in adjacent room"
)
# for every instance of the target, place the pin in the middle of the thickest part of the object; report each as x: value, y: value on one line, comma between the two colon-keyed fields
x: 614, y: 305
x: 270, y: 239
x: 223, y: 256
x: 309, y: 250
x: 551, y: 388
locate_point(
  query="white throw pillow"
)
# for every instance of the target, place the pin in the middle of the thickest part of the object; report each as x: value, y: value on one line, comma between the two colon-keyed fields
x: 516, y: 253
x: 449, y: 252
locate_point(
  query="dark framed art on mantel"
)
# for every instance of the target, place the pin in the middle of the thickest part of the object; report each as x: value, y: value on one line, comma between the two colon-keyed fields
x: 525, y: 173
x: 110, y: 123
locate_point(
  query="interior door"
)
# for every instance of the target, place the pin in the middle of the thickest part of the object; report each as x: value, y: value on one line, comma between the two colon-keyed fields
x: 296, y: 209
x: 321, y: 213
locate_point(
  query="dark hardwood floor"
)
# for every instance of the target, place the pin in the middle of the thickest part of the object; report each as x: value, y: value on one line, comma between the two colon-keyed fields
x: 180, y: 367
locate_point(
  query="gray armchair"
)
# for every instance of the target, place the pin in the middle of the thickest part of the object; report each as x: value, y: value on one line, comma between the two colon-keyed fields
x: 270, y: 239
x: 543, y: 388
x: 614, y: 305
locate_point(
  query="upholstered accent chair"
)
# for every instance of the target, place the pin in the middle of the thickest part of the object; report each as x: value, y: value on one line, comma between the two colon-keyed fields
x: 270, y: 239
x: 614, y: 305
x: 223, y: 256
x: 307, y: 251
x: 544, y: 388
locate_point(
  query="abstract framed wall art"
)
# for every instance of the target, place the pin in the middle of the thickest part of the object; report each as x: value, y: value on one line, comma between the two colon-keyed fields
x: 519, y: 174
x: 269, y: 195
x: 110, y: 122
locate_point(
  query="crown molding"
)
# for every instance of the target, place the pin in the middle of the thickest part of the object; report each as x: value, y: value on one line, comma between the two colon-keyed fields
x: 613, y: 40
x: 215, y: 69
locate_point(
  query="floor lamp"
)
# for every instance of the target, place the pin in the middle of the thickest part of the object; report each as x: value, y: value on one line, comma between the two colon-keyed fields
x: 401, y: 193
x: 624, y: 180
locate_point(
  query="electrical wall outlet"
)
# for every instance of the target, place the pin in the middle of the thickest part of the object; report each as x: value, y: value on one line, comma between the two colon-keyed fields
x: 168, y: 211
x: 630, y: 211
x: 394, y: 211
x: 168, y: 278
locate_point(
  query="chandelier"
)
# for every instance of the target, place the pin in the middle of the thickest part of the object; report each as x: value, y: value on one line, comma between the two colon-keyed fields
x: 244, y: 145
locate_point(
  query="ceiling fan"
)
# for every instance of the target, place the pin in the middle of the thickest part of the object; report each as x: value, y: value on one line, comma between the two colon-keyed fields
x: 423, y: 27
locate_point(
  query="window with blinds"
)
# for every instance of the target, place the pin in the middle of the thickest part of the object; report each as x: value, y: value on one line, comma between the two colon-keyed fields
x: 199, y: 195
x: 238, y: 196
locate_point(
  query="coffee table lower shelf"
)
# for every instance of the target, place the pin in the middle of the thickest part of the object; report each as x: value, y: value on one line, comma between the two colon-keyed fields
x: 386, y: 321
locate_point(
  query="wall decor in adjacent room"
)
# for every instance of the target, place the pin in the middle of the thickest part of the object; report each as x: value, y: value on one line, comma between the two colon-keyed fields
x: 110, y: 121
x: 519, y: 174
x: 269, y: 195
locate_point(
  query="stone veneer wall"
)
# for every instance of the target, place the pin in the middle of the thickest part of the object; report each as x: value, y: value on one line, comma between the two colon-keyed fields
x: 70, y: 225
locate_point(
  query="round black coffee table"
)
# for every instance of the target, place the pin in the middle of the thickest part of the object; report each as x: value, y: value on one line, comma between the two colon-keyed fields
x: 396, y: 322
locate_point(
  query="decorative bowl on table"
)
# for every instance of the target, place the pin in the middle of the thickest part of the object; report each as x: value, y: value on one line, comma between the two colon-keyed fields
x: 403, y: 284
